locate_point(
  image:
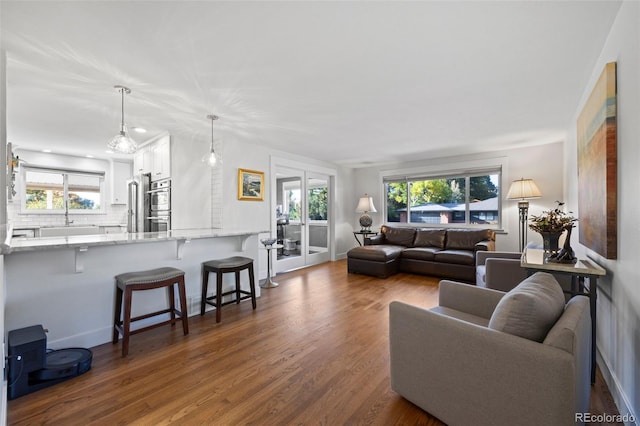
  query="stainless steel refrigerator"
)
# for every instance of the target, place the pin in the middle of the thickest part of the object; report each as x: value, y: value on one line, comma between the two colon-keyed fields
x: 138, y: 203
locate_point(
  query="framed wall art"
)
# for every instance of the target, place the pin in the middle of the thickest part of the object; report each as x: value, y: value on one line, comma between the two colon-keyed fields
x: 597, y: 167
x: 250, y: 185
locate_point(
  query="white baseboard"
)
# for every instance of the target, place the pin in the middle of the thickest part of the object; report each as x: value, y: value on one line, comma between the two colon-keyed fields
x: 619, y: 396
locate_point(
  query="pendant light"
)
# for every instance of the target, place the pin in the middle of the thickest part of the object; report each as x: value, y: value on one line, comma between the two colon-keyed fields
x: 122, y: 142
x: 212, y: 159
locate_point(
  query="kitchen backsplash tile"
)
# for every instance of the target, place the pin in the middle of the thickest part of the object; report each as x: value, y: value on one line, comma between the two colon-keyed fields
x: 115, y: 214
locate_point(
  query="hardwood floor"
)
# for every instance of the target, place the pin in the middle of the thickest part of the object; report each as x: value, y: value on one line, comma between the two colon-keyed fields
x: 314, y: 352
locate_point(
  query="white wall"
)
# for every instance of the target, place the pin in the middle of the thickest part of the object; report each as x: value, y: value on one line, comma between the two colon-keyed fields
x: 239, y: 214
x: 3, y: 218
x: 192, y: 183
x: 543, y: 163
x: 618, y: 332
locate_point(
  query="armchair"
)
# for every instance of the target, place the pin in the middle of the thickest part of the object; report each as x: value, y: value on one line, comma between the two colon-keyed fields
x: 452, y: 362
x: 499, y: 270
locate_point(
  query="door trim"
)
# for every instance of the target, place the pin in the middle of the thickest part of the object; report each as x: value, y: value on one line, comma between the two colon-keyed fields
x: 276, y: 162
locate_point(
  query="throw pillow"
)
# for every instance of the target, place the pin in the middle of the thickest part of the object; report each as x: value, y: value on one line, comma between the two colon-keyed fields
x: 531, y: 308
x: 398, y: 236
x: 430, y: 238
x: 466, y: 239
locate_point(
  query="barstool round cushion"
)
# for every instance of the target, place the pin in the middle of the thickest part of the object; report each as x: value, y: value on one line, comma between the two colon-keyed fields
x: 150, y: 276
x: 228, y: 262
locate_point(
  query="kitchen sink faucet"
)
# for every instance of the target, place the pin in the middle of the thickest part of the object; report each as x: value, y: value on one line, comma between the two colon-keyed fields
x: 67, y: 222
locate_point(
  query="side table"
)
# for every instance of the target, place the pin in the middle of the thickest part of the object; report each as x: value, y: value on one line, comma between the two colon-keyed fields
x: 269, y: 283
x: 533, y: 260
x: 364, y: 234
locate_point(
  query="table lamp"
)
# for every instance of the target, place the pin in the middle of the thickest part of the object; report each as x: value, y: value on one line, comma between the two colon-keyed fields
x: 365, y: 205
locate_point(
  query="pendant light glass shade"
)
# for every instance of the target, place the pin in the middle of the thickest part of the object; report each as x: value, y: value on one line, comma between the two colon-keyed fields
x: 122, y: 142
x: 212, y: 159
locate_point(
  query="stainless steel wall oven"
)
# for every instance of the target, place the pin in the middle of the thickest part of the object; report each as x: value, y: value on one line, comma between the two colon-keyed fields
x: 159, y: 206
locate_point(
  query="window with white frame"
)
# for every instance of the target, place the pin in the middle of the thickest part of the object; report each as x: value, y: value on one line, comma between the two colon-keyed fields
x: 56, y: 190
x: 470, y: 198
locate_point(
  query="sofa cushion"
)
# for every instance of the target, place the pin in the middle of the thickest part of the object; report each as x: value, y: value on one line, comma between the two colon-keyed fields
x: 430, y: 238
x: 530, y: 309
x: 398, y: 236
x: 459, y: 257
x: 378, y: 253
x: 466, y: 239
x: 464, y: 316
x: 420, y: 253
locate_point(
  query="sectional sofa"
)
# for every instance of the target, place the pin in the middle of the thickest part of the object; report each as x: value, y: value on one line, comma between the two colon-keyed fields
x: 447, y: 252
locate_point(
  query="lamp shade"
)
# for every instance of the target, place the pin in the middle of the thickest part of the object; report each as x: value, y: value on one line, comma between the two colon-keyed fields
x: 366, y: 205
x: 523, y: 189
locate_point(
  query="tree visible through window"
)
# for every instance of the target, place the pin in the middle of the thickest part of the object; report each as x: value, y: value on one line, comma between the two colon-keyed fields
x: 318, y: 203
x: 47, y: 190
x: 467, y: 199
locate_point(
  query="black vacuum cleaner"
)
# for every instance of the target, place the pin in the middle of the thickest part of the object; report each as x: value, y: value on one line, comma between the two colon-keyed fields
x: 31, y: 367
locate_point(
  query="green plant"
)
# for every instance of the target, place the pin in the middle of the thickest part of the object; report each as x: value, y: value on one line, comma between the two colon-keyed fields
x: 554, y: 220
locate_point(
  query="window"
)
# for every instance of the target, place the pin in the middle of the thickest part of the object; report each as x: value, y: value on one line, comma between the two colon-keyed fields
x: 467, y: 199
x: 55, y: 190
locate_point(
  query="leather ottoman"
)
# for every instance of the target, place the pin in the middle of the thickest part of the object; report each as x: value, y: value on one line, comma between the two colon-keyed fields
x: 378, y: 261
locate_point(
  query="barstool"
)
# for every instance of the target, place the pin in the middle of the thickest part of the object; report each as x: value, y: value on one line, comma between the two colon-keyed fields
x: 219, y: 267
x: 129, y: 282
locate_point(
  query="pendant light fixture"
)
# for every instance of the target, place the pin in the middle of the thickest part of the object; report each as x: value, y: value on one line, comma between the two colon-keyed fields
x: 212, y: 159
x: 122, y: 143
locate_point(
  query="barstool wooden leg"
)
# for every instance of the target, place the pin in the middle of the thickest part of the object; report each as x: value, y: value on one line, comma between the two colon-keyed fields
x: 252, y: 286
x: 172, y: 304
x: 238, y: 287
x: 116, y: 315
x: 218, y: 296
x: 183, y: 305
x: 205, y: 285
x: 126, y: 323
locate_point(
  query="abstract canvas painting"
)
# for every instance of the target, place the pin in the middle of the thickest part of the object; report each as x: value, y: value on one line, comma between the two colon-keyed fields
x: 597, y: 167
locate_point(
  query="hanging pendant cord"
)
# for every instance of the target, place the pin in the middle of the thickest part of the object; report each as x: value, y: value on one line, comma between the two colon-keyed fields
x: 122, y: 122
x: 211, y: 134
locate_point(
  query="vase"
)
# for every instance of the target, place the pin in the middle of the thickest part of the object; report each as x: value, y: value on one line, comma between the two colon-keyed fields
x: 550, y: 242
x: 566, y: 254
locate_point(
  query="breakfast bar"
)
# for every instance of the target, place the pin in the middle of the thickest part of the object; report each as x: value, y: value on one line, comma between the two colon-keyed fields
x: 66, y: 284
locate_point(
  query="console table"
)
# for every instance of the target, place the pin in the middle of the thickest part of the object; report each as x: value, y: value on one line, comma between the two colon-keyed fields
x: 533, y: 260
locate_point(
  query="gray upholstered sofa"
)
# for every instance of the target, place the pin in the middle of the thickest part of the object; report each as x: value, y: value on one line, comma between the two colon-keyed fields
x: 485, y: 357
x: 448, y: 253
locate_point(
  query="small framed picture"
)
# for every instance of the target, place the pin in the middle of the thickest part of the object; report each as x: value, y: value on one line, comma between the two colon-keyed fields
x: 250, y: 185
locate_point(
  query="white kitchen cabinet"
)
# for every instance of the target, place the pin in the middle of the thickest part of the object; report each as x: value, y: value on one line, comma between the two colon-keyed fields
x: 161, y: 158
x: 120, y: 174
x: 143, y: 160
x: 154, y: 158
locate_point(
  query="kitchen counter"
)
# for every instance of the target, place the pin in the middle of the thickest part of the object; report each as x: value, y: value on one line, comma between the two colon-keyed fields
x: 79, y: 241
x: 67, y: 284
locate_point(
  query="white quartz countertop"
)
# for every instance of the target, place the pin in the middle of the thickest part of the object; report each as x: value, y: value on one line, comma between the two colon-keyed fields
x: 76, y: 241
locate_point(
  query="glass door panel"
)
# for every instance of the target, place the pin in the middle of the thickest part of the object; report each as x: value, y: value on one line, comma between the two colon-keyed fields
x: 290, y: 212
x: 317, y: 219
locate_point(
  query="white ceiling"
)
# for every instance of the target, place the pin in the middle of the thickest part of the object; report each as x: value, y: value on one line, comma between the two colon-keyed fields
x: 354, y: 83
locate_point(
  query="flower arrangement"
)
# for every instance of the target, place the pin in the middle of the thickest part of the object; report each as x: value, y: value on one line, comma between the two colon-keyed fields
x: 554, y: 220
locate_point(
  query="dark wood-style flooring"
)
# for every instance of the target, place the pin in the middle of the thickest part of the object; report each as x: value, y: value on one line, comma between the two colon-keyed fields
x: 314, y: 352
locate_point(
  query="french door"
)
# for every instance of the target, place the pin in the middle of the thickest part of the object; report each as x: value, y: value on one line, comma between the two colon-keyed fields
x: 303, y: 217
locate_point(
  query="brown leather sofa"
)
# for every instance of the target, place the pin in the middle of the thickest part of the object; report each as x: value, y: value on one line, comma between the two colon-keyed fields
x: 449, y: 253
